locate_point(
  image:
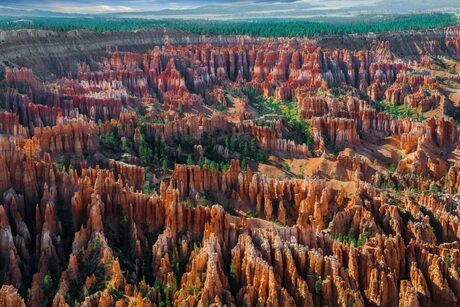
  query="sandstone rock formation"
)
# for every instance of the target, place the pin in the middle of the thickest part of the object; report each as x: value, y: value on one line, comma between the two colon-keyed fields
x: 230, y: 171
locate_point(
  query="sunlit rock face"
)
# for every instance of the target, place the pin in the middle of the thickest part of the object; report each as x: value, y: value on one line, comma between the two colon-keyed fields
x: 230, y: 171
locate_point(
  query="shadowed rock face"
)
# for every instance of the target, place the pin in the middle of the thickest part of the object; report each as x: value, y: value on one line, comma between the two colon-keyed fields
x: 197, y: 171
x: 58, y: 52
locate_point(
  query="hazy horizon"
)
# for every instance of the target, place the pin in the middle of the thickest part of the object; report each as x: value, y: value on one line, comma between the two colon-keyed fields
x: 229, y: 9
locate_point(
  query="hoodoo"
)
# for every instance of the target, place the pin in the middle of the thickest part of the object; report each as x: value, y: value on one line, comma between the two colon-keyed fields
x: 181, y: 169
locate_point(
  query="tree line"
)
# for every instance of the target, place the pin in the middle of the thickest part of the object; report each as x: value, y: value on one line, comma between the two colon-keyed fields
x: 263, y: 28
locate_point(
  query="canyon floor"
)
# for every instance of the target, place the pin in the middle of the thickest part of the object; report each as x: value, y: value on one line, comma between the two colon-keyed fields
x: 160, y: 168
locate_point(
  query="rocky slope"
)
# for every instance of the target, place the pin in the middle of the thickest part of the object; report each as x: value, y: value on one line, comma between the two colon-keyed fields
x: 58, y: 52
x: 229, y: 171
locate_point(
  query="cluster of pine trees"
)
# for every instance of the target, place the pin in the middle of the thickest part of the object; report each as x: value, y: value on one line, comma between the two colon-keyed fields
x: 261, y: 27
